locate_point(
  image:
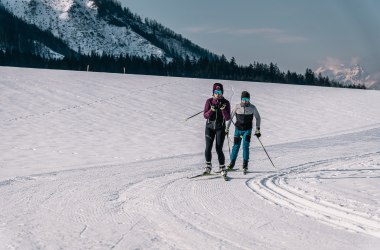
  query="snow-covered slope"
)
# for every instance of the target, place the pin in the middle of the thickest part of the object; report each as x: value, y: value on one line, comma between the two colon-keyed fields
x: 102, y: 27
x: 99, y: 161
x: 76, y: 22
x: 354, y: 75
x: 46, y: 52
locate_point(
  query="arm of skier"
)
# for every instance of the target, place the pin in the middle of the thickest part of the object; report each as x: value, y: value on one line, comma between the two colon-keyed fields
x: 258, y: 119
x: 207, y: 112
x: 227, y: 112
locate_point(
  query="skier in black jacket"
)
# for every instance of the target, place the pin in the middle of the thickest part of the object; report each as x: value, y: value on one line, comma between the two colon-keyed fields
x: 217, y: 112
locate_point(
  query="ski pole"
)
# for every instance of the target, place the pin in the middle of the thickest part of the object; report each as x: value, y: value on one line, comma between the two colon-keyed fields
x: 193, y: 115
x: 266, y: 152
x: 229, y: 147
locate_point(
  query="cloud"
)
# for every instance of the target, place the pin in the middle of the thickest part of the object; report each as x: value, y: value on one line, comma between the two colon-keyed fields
x: 196, y: 30
x: 331, y: 63
x: 273, y: 34
x: 291, y: 39
x: 263, y: 31
x: 355, y: 60
x: 376, y: 78
x: 231, y: 31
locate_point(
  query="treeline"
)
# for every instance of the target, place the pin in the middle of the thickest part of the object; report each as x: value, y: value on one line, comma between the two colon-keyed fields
x: 219, y: 68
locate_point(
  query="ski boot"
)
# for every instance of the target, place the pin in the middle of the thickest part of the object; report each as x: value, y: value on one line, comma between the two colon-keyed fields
x: 223, y: 171
x: 231, y: 165
x: 207, y: 168
x: 245, y: 167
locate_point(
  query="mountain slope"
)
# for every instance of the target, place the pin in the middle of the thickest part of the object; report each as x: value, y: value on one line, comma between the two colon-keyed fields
x: 17, y: 35
x: 102, y: 27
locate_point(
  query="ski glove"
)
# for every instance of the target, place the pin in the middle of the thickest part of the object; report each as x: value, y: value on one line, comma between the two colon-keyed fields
x: 223, y: 107
x: 257, y: 133
x: 213, y: 108
x: 227, y: 131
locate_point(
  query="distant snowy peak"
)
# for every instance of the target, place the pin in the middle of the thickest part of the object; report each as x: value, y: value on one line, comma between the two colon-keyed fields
x: 102, y: 27
x: 354, y: 75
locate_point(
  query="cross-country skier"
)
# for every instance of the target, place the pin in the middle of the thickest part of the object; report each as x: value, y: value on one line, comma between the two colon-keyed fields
x: 244, y: 111
x: 217, y: 112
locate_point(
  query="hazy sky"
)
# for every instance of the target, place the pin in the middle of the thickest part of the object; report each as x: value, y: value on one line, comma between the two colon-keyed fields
x: 295, y: 34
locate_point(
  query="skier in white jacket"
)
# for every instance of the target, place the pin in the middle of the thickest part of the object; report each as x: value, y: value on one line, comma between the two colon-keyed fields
x: 244, y: 112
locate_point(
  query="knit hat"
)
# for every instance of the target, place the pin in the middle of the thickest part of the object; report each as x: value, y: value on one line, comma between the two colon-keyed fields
x: 217, y: 86
x: 245, y: 94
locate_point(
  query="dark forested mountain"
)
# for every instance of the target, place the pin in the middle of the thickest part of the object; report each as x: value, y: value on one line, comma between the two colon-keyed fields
x: 103, y: 27
x: 16, y: 35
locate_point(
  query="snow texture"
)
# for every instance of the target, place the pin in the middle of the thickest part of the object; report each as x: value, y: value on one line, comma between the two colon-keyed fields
x: 100, y: 161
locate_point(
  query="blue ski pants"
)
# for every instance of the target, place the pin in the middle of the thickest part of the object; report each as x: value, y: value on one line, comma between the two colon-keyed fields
x: 241, y: 135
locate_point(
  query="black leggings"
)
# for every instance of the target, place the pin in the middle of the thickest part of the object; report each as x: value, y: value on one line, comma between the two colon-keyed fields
x: 210, y: 136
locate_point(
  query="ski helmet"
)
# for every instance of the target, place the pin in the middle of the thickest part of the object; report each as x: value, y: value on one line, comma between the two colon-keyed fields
x: 245, y: 94
x: 217, y: 86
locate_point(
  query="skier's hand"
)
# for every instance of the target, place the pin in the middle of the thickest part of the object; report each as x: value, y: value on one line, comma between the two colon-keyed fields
x: 257, y: 133
x: 223, y: 107
x: 227, y: 131
x: 213, y: 108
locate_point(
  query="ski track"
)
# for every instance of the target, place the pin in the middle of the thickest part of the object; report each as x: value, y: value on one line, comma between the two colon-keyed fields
x: 276, y: 189
x: 155, y: 209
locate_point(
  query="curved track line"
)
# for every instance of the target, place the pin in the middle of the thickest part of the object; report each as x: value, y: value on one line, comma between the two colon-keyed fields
x: 275, y: 189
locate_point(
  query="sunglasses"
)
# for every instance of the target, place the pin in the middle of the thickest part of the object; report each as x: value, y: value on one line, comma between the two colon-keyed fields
x: 245, y: 99
x: 218, y: 92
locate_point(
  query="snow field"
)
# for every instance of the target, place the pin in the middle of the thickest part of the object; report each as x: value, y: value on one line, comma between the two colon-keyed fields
x: 100, y: 161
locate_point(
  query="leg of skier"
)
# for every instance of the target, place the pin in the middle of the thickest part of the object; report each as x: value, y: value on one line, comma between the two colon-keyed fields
x: 220, y: 135
x: 209, y: 136
x: 235, y: 149
x: 246, y: 143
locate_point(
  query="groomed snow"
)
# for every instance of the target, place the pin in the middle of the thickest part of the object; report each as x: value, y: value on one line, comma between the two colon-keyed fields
x: 100, y: 161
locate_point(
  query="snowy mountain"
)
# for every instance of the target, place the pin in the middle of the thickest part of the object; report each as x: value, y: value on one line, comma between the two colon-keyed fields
x: 354, y: 75
x: 102, y: 27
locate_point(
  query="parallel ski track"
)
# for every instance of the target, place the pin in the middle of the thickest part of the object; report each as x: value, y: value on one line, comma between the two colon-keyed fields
x: 150, y: 208
x: 276, y: 189
x: 110, y: 207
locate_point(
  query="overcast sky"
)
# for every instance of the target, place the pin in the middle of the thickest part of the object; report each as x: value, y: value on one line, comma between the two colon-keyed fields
x: 295, y: 34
